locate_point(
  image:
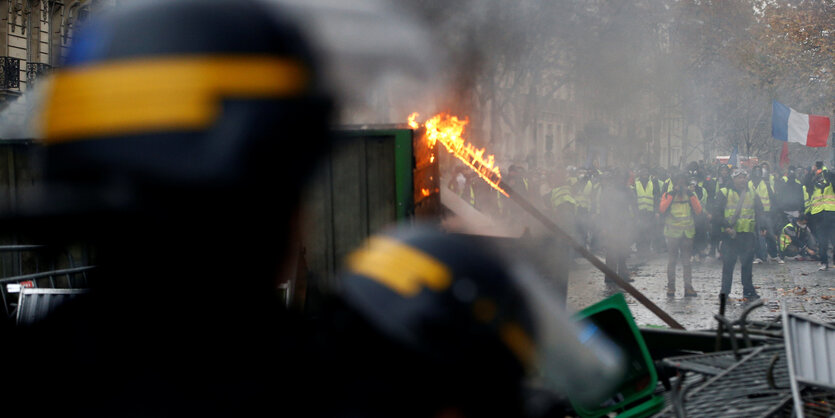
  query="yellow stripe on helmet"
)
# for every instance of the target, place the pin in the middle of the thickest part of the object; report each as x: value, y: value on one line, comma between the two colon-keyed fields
x: 401, y: 268
x: 159, y: 94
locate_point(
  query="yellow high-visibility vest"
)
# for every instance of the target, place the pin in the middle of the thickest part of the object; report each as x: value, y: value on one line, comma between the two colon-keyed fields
x: 703, y: 199
x: 762, y: 191
x: 822, y: 200
x: 785, y: 239
x: 562, y: 195
x: 646, y: 198
x: 679, y: 220
x: 745, y: 221
x: 583, y: 198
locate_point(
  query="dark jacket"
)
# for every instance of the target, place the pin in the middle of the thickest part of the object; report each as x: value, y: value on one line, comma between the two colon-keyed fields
x: 710, y: 187
x: 788, y: 195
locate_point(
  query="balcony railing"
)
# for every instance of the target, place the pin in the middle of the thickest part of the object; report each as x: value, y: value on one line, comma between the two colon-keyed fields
x: 35, y: 70
x: 9, y: 73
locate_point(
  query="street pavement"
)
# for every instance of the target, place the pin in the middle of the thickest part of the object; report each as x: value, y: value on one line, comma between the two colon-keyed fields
x: 797, y: 285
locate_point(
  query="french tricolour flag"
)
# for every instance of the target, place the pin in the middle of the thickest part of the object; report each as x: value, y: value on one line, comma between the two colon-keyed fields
x: 790, y: 125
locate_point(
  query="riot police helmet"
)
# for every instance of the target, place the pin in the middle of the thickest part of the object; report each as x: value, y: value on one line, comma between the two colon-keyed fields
x: 472, y: 318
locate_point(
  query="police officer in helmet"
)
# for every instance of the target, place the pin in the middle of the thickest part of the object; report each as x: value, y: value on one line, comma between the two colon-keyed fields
x: 174, y: 138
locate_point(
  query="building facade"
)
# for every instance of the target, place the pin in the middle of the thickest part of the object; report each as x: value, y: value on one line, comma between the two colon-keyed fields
x: 35, y: 36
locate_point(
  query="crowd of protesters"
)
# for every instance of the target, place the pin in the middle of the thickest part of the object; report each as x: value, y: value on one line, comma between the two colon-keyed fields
x: 708, y: 211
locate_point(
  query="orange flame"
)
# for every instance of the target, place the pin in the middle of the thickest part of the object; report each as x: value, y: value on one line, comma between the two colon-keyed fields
x: 424, y: 192
x: 412, y: 123
x: 449, y: 131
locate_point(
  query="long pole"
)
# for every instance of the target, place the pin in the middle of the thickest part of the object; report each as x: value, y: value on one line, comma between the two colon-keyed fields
x: 562, y: 235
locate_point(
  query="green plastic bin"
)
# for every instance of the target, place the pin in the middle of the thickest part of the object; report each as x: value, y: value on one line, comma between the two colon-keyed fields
x: 634, y: 396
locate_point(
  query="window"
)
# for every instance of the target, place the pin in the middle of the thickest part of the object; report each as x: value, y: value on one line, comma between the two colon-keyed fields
x: 55, y: 25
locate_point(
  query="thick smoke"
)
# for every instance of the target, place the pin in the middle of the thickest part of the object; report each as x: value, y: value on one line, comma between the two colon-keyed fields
x: 610, y: 87
x: 378, y: 60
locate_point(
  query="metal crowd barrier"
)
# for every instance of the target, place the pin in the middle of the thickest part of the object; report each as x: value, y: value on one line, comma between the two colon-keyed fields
x: 12, y: 285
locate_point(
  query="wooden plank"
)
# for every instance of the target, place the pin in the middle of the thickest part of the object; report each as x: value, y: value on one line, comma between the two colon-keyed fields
x: 350, y: 196
x: 350, y: 217
x: 380, y: 181
x: 317, y: 222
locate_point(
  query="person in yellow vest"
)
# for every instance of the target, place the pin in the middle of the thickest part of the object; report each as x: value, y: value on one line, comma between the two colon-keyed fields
x: 563, y: 204
x: 696, y: 182
x: 659, y: 178
x: 469, y: 191
x: 561, y: 199
x: 822, y: 210
x: 582, y: 191
x: 667, y: 184
x: 805, y: 178
x: 480, y: 195
x: 679, y: 208
x: 766, y: 241
x: 796, y: 240
x: 807, y: 204
x: 736, y: 211
x: 647, y: 194
x: 767, y: 174
x: 723, y: 179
